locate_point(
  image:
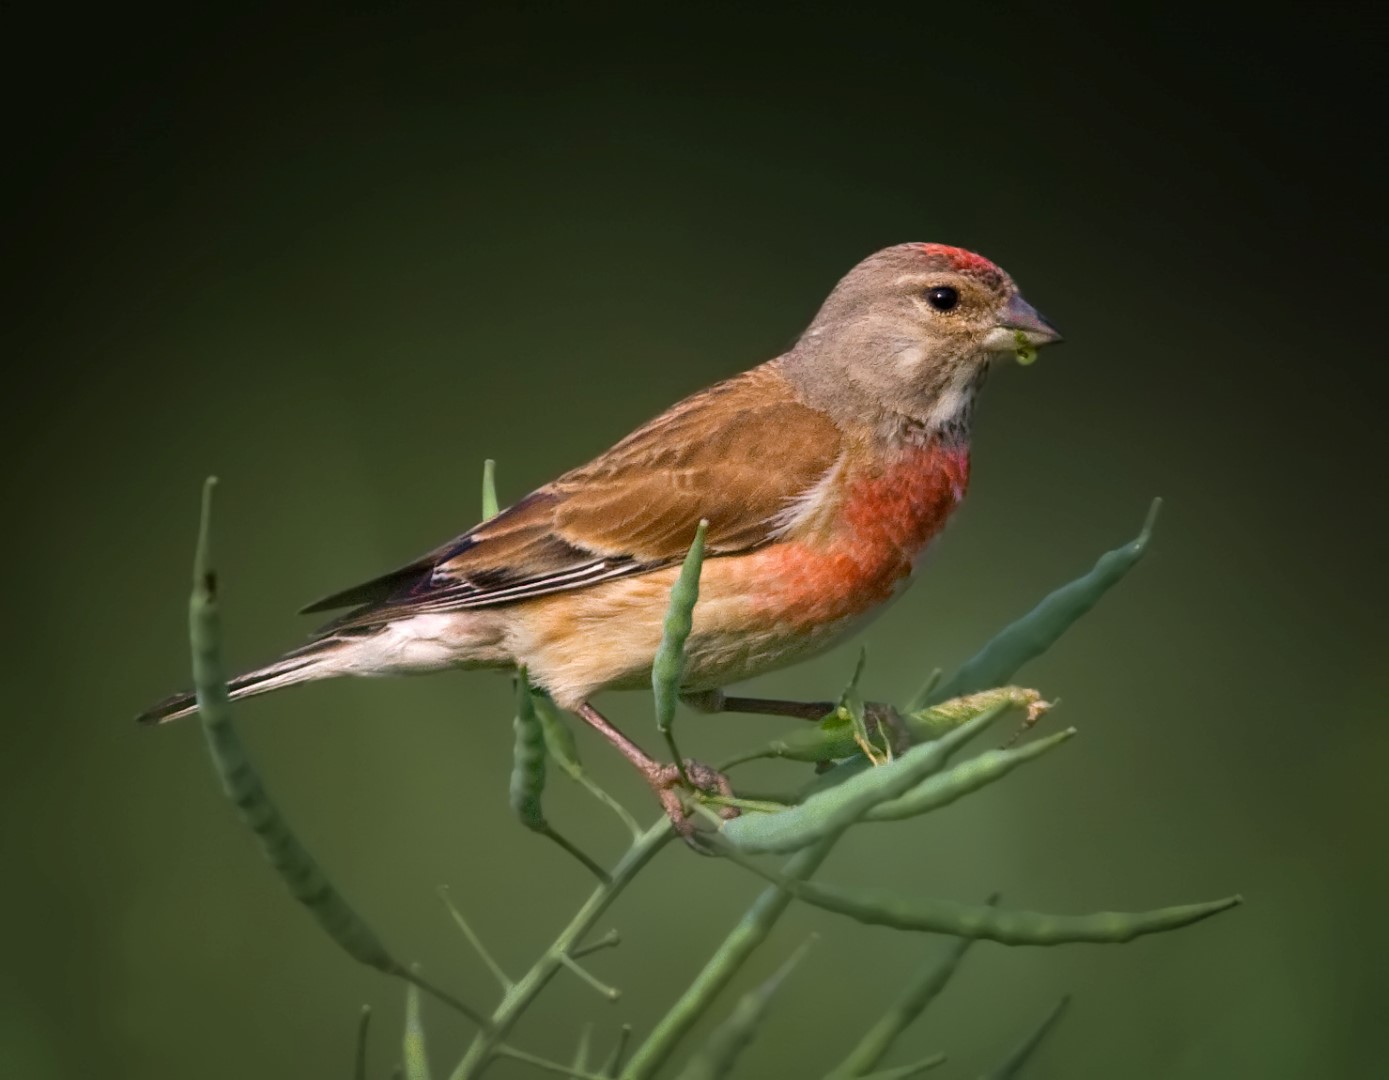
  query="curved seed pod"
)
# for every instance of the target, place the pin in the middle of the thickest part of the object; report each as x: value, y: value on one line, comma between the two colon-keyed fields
x: 1038, y: 630
x: 878, y: 908
x: 925, y: 985
x: 242, y: 784
x: 726, y: 1042
x: 1013, y: 1063
x: 831, y: 811
x: 528, y: 775
x: 668, y: 669
x: 964, y: 779
x: 559, y: 740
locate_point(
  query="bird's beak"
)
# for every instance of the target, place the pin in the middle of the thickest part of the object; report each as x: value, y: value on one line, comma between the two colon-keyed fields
x: 1021, y: 325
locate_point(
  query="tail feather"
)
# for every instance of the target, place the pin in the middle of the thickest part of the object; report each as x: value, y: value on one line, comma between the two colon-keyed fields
x: 305, y: 664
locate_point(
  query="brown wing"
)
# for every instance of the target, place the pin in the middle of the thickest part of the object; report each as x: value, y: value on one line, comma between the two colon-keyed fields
x: 736, y: 454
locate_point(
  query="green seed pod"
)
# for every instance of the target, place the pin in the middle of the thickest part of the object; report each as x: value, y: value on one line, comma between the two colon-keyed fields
x: 528, y: 774
x: 559, y: 740
x: 931, y: 724
x: 833, y: 738
x: 240, y: 780
x: 668, y: 669
x: 528, y: 759
x: 1038, y: 630
x: 833, y: 810
x: 925, y: 986
x: 828, y: 740
x: 878, y: 908
x: 243, y: 786
x: 964, y: 779
x: 726, y: 1042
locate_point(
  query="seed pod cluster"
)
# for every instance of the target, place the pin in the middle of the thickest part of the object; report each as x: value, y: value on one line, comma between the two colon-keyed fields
x: 527, y: 786
x: 834, y: 809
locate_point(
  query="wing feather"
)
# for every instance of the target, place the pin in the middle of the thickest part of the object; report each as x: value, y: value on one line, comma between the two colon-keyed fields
x: 737, y: 454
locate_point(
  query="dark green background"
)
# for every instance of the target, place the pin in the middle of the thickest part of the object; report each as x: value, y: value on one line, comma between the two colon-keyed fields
x: 340, y: 260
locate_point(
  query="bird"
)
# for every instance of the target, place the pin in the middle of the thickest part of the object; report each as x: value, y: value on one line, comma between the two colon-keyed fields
x: 823, y: 475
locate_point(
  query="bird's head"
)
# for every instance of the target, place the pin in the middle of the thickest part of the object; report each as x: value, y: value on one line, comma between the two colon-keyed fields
x: 911, y: 330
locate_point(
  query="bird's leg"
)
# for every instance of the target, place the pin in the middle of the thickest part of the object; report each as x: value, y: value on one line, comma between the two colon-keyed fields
x: 716, y: 701
x: 879, y: 718
x: 664, y: 779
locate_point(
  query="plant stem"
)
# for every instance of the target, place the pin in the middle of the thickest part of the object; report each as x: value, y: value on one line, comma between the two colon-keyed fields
x: 518, y: 999
x: 751, y: 931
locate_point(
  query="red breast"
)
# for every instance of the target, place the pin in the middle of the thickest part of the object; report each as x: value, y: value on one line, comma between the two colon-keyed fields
x: 885, y: 515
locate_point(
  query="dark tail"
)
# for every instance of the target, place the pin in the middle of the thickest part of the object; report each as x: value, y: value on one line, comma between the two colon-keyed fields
x: 305, y: 664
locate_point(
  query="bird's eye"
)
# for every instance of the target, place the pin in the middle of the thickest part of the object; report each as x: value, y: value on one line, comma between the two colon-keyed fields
x: 942, y: 297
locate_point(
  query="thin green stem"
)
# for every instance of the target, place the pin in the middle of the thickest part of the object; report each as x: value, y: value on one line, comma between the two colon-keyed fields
x: 717, y: 1057
x: 363, y: 1026
x: 413, y: 1049
x: 928, y: 981
x: 581, y: 1051
x: 908, y: 1072
x: 610, y: 940
x: 559, y: 741
x: 751, y: 931
x: 476, y: 942
x: 488, y: 1043
x: 547, y: 1064
x: 1013, y: 1063
x: 612, y: 993
x: 765, y: 806
x: 614, y: 1061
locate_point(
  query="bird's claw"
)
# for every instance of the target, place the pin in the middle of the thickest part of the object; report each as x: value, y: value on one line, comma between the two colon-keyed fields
x: 671, y: 782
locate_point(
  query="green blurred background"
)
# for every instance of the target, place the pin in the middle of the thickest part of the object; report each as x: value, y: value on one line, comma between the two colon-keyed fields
x: 340, y: 260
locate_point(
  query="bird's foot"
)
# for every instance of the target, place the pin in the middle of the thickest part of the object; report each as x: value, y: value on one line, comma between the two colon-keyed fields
x: 671, y: 784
